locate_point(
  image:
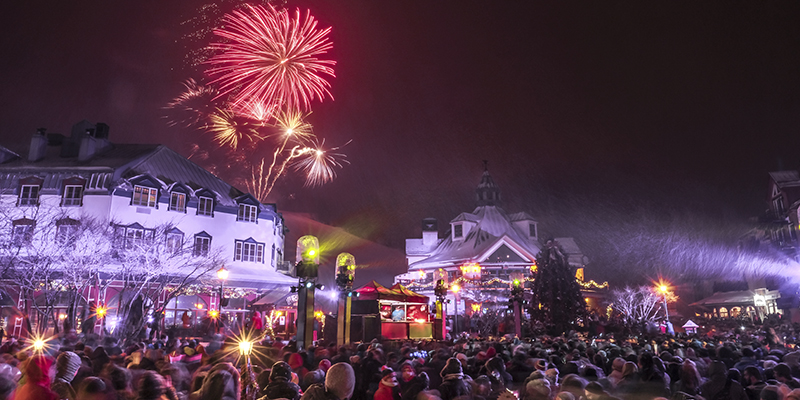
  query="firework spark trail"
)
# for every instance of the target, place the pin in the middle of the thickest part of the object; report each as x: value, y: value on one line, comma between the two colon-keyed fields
x: 229, y: 129
x: 271, y: 57
x: 319, y: 165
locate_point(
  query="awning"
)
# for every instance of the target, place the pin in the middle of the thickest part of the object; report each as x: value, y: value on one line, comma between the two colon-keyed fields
x: 737, y: 298
x: 273, y: 296
x: 376, y: 291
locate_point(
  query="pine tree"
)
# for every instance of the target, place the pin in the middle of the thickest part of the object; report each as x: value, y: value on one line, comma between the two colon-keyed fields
x: 556, y: 299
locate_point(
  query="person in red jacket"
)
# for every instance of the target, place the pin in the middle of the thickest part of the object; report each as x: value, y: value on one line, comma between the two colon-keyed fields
x: 388, y: 389
x: 37, y: 380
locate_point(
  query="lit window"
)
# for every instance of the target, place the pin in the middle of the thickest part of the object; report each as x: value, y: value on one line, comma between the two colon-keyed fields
x: 143, y: 196
x: 22, y: 231
x: 247, y: 213
x: 205, y: 206
x: 177, y: 202
x: 29, y: 195
x: 202, y: 242
x: 458, y: 231
x: 73, y: 196
x: 133, y: 236
x: 249, y: 251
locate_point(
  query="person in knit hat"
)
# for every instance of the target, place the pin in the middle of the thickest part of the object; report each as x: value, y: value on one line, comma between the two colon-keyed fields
x: 388, y: 389
x: 411, y: 384
x: 340, y: 382
x: 37, y: 381
x: 280, y: 383
x: 453, y: 384
x: 67, y: 365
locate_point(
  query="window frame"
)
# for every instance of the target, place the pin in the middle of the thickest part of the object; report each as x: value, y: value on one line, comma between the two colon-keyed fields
x: 22, y: 231
x: 458, y: 231
x: 172, y: 206
x: 247, y: 213
x: 205, y: 210
x: 29, y: 200
x: 70, y: 201
x: 248, y: 251
x: 152, y: 195
x: 66, y: 230
x: 198, y: 243
x: 170, y: 237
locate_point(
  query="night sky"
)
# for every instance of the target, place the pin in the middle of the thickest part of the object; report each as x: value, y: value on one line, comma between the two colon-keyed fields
x: 628, y: 125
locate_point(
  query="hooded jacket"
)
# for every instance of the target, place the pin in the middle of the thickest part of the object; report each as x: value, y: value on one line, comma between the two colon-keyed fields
x: 37, y: 380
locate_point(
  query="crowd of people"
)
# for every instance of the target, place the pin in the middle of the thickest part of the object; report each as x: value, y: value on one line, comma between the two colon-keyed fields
x: 749, y: 364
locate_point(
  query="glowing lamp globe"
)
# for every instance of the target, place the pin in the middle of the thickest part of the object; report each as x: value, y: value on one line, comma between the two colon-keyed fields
x: 308, y: 249
x: 346, y: 265
x: 245, y: 347
x: 222, y: 273
x: 455, y: 288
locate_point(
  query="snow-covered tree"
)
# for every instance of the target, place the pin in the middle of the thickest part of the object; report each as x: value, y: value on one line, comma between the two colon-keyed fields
x: 639, y: 305
x: 149, y: 263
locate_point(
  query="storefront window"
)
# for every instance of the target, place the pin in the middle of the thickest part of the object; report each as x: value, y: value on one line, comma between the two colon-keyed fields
x: 185, y: 312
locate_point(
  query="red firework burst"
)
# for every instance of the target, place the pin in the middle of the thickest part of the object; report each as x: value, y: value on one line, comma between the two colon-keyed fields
x: 271, y: 57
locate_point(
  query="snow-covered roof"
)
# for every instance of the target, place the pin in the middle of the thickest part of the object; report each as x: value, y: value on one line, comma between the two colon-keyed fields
x: 169, y: 167
x: 493, y: 225
x: 782, y: 178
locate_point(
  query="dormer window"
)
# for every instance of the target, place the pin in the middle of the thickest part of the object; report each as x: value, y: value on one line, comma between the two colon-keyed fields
x: 532, y: 230
x: 177, y: 202
x: 29, y: 195
x: 458, y: 231
x: 205, y: 206
x: 144, y: 196
x: 247, y: 213
x: 73, y: 196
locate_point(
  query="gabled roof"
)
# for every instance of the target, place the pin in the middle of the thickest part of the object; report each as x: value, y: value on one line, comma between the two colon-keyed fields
x: 492, y: 226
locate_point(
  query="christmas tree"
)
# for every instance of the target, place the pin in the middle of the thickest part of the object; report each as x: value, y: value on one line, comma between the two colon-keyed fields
x: 556, y: 300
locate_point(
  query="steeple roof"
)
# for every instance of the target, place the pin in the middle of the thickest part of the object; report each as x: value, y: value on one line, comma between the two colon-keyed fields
x: 487, y: 193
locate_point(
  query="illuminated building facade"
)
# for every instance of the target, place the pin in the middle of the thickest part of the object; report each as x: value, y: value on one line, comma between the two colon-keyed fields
x: 482, y: 253
x: 137, y: 189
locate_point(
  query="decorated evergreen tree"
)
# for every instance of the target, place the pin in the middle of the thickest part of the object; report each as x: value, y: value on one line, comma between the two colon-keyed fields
x: 556, y: 300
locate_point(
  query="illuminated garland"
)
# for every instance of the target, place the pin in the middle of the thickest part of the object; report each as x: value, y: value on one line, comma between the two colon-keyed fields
x: 462, y: 280
x: 228, y: 292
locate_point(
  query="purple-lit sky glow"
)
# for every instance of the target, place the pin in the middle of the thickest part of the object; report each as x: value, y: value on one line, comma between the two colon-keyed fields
x: 636, y: 127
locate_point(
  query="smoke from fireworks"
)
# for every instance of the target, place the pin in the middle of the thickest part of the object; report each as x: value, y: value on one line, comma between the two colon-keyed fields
x: 264, y: 70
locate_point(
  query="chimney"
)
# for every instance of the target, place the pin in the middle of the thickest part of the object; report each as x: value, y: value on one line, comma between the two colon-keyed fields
x: 430, y: 232
x: 38, y: 145
x: 93, y: 142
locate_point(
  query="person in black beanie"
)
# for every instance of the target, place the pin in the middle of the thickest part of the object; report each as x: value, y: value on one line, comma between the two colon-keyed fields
x: 453, y: 384
x: 280, y: 384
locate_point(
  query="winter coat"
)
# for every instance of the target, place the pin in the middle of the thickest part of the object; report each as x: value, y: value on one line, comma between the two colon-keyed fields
x: 452, y: 388
x: 281, y: 389
x: 37, y: 381
x: 387, y: 392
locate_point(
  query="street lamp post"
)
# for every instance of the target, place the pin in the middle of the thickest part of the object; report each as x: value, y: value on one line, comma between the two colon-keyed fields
x: 664, y: 289
x: 222, y: 274
x: 455, y: 290
x: 345, y: 274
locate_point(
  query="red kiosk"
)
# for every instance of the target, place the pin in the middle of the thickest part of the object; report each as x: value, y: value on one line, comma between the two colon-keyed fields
x: 394, y: 313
